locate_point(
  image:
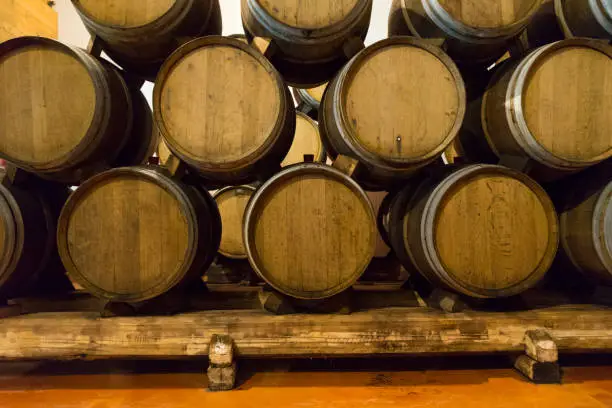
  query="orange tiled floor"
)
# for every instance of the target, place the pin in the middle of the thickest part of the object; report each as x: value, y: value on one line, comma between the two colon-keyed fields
x: 583, y: 387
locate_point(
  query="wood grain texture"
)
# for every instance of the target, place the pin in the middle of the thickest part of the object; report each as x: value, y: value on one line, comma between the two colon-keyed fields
x: 392, y: 93
x: 27, y: 17
x: 390, y: 331
x: 307, y: 141
x: 567, y: 101
x: 126, y: 13
x: 232, y: 203
x: 310, y: 233
x: 229, y: 114
x: 126, y: 236
x: 48, y: 100
x: 314, y: 14
x: 491, y: 231
x: 317, y: 92
x: 489, y: 14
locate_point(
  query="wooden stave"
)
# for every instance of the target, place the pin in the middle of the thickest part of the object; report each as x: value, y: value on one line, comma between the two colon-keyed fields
x: 111, y: 128
x: 498, y: 130
x: 307, y: 60
x: 181, y: 23
x: 466, y: 45
x: 584, y: 18
x: 591, y: 251
x: 198, y: 207
x: 249, y: 220
x: 375, y: 173
x: 35, y: 220
x: 410, y: 231
x: 218, y: 194
x: 262, y: 163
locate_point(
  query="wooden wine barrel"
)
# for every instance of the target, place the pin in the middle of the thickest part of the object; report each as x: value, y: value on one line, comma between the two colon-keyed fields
x: 398, y: 122
x: 310, y: 231
x: 131, y: 234
x: 475, y: 32
x: 484, y: 231
x: 224, y: 110
x: 309, y: 99
x: 586, y: 234
x: 140, y: 34
x: 553, y: 108
x: 580, y: 18
x: 232, y: 202
x: 308, y: 37
x: 306, y: 142
x: 66, y: 115
x: 29, y: 256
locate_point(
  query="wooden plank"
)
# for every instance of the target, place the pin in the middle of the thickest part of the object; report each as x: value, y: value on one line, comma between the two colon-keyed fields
x: 27, y: 17
x: 258, y: 334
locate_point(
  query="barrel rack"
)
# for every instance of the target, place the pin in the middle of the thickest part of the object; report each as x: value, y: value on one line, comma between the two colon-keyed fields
x: 532, y: 331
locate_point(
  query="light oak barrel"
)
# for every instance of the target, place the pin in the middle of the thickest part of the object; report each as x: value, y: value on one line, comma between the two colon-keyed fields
x: 586, y: 234
x: 306, y: 142
x: 224, y: 110
x: 484, y: 231
x: 309, y: 36
x: 552, y: 108
x: 309, y: 99
x: 139, y: 35
x: 66, y: 115
x: 29, y: 262
x: 232, y: 203
x: 585, y: 18
x: 310, y: 231
x: 133, y: 233
x: 396, y: 123
x: 475, y: 32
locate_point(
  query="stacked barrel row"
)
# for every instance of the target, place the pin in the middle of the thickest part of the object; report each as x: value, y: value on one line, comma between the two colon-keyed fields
x: 387, y: 116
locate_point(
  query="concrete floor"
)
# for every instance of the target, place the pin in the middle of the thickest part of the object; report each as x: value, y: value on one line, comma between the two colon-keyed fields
x: 305, y: 385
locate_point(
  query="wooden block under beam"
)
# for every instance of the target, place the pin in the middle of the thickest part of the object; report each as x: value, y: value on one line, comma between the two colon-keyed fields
x: 541, y: 347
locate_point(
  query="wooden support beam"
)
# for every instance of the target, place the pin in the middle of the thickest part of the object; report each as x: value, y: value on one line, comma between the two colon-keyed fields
x: 256, y: 333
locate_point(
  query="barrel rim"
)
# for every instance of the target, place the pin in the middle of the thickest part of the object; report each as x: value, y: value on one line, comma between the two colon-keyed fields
x: 214, y: 41
x: 463, y: 32
x: 285, y: 32
x: 149, y: 175
x: 218, y: 194
x: 602, y: 11
x: 560, y: 16
x: 342, y: 83
x: 101, y: 114
x: 11, y: 212
x: 515, y: 114
x: 290, y: 172
x: 429, y: 220
x: 602, y: 227
x: 307, y: 98
x: 163, y: 24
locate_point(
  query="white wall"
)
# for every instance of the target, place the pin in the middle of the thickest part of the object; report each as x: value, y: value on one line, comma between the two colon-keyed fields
x: 72, y: 31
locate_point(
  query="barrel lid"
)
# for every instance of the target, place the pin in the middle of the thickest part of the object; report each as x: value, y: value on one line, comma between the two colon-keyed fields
x: 567, y: 104
x: 487, y: 14
x: 48, y: 101
x: 310, y: 231
x: 232, y: 202
x: 125, y: 13
x: 412, y: 112
x: 218, y: 103
x: 125, y: 235
x: 494, y: 230
x: 602, y: 226
x: 314, y: 14
x: 307, y: 141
